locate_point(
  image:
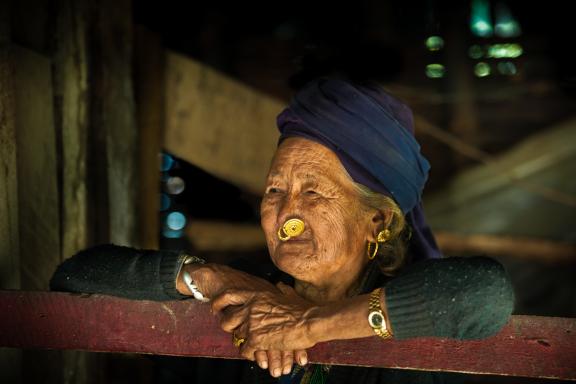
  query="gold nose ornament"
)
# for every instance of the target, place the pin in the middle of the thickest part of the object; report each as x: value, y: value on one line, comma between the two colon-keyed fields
x: 291, y: 228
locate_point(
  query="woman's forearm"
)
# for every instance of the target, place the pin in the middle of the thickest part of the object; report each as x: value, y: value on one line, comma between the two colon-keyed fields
x: 345, y: 319
x: 120, y: 271
x: 463, y: 298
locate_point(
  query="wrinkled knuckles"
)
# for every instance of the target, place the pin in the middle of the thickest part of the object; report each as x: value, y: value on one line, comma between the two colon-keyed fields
x: 229, y: 293
x: 256, y: 341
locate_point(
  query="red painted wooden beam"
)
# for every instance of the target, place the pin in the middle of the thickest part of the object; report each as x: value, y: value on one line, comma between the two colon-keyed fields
x: 528, y: 346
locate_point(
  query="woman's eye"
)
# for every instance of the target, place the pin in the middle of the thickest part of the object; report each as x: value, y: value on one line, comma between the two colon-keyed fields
x: 273, y: 190
x: 311, y: 192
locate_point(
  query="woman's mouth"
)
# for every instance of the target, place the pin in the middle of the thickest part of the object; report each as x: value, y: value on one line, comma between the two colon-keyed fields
x: 297, y: 240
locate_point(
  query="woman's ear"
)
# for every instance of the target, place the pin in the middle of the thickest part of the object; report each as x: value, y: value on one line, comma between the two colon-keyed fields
x: 380, y: 221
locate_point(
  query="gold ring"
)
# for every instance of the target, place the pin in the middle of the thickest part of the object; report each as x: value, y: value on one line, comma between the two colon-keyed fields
x: 291, y: 228
x: 237, y: 341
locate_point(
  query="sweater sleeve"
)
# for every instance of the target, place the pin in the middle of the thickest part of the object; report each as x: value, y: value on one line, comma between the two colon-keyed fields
x: 120, y: 271
x: 462, y: 298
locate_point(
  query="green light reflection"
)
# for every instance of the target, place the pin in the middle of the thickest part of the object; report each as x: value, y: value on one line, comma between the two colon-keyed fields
x: 507, y: 68
x: 475, y: 51
x: 434, y: 43
x: 480, y: 20
x: 435, y: 71
x: 482, y: 69
x: 506, y: 25
x: 499, y: 51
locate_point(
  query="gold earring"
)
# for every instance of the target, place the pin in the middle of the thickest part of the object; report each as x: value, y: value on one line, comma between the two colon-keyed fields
x: 371, y: 254
x: 383, y: 236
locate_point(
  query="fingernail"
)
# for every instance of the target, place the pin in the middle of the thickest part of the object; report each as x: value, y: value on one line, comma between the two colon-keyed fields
x: 264, y: 364
x: 287, y: 370
x: 276, y: 372
x: 303, y: 360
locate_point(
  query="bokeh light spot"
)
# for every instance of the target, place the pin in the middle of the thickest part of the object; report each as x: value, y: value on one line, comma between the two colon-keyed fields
x: 435, y: 71
x: 482, y: 69
x: 175, y: 221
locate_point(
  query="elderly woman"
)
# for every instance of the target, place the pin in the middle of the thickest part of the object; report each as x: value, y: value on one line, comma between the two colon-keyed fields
x: 352, y: 255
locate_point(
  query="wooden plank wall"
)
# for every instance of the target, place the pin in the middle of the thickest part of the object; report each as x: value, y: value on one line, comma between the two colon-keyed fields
x: 70, y: 163
x: 72, y: 101
x: 38, y: 194
x: 10, y: 359
x: 114, y: 118
x: 38, y: 200
x: 71, y: 92
x: 9, y: 240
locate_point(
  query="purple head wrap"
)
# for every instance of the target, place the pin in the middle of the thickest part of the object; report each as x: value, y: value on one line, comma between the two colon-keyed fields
x: 372, y: 134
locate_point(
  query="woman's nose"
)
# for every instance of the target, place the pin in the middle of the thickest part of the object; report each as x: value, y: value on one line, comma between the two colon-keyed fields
x: 290, y: 207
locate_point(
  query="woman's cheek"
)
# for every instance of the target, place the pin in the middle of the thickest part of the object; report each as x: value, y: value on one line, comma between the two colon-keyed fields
x: 345, y: 222
x: 330, y: 226
x: 267, y: 221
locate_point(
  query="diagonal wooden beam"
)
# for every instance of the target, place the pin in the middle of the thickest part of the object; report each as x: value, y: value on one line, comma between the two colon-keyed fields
x: 529, y: 346
x: 219, y: 124
x: 528, y: 248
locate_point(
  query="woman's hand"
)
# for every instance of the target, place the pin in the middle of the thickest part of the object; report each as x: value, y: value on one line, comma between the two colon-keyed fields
x: 275, y: 325
x: 212, y: 279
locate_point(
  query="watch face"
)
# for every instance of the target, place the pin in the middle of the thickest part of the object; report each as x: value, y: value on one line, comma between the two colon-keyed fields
x: 376, y: 319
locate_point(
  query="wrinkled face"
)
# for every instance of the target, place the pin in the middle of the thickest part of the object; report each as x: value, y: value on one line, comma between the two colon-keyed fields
x: 307, y: 181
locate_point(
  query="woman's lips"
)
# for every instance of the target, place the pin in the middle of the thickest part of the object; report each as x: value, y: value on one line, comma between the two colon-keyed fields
x: 297, y: 240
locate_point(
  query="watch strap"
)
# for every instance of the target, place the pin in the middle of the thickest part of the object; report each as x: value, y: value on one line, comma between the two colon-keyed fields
x: 375, y: 309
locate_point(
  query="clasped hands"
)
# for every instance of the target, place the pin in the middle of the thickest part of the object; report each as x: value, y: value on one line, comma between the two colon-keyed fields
x: 275, y: 325
x: 274, y: 320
